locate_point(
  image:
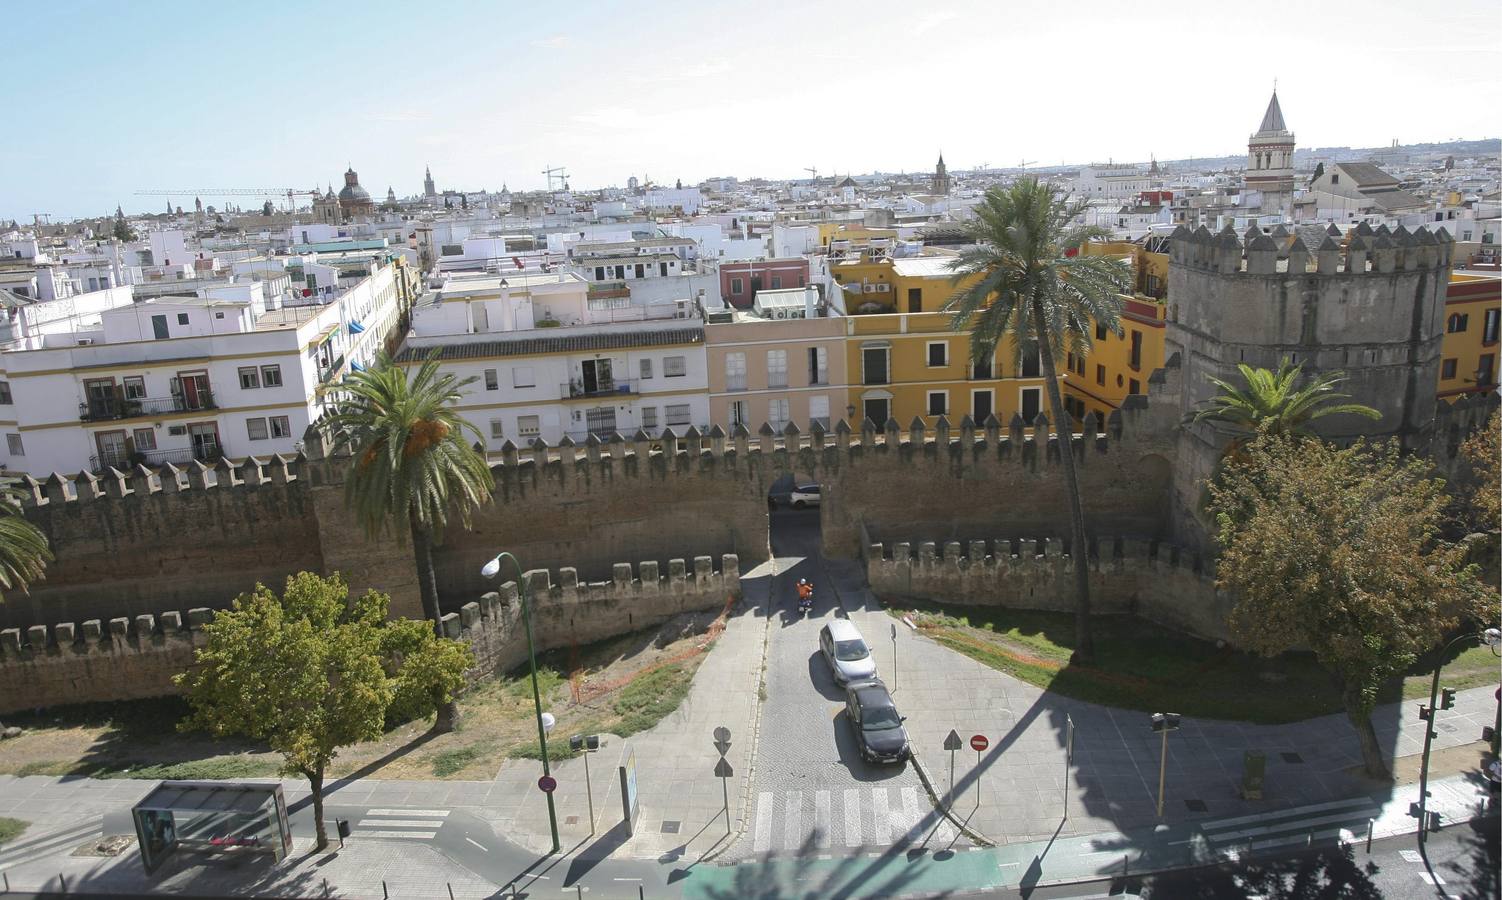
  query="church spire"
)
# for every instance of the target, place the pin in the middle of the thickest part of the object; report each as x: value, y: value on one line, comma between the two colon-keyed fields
x: 1272, y: 120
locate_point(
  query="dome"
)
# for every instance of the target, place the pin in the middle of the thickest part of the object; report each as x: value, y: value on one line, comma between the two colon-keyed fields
x: 353, y: 193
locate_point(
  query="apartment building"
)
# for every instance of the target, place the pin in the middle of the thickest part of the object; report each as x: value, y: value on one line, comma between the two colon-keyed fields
x: 776, y: 370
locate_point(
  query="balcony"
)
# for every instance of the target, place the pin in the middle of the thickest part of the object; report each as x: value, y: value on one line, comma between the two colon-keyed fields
x: 104, y: 409
x: 575, y: 390
x: 129, y: 459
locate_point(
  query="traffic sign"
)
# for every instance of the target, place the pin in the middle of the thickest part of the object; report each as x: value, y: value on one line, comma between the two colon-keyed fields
x: 953, y: 741
x: 722, y: 769
x: 548, y: 784
x: 722, y: 740
x: 979, y: 743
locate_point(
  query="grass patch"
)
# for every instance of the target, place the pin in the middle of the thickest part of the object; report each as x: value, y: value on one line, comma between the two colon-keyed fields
x: 648, y: 699
x: 558, y: 749
x: 1139, y: 665
x: 449, y: 762
x: 10, y: 829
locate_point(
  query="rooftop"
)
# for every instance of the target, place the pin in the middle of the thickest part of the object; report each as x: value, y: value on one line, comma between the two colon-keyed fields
x: 530, y: 343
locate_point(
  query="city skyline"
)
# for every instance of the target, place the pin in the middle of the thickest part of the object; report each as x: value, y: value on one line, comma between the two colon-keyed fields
x: 689, y: 94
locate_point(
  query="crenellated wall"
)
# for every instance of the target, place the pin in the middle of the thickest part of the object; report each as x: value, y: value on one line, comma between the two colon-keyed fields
x: 1157, y: 581
x: 128, y: 658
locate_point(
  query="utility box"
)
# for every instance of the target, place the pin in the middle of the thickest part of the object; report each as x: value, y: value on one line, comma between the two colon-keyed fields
x: 1255, y: 767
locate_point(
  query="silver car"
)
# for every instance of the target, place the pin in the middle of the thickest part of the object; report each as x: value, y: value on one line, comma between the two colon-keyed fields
x: 849, y: 658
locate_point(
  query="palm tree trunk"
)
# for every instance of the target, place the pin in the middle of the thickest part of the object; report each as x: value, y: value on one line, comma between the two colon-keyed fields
x: 1079, y: 548
x: 427, y: 583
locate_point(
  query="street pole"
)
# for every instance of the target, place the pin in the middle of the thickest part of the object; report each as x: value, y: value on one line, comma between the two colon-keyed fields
x: 725, y: 789
x: 1162, y: 772
x: 589, y: 793
x: 1492, y: 637
x: 894, y: 657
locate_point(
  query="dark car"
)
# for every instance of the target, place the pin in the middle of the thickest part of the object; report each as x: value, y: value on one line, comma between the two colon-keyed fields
x: 878, y: 727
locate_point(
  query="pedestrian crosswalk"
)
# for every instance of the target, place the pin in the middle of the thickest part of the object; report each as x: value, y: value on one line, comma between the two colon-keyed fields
x: 1343, y: 820
x: 819, y: 820
x: 414, y: 824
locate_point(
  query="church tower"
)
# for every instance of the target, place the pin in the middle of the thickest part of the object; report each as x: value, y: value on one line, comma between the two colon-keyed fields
x: 428, y: 190
x: 1269, y: 161
x: 941, y: 178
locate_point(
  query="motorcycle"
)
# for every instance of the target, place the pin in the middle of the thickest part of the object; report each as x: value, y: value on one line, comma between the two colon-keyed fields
x: 806, y: 603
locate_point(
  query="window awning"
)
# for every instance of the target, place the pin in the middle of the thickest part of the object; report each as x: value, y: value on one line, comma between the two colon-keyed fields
x: 355, y: 328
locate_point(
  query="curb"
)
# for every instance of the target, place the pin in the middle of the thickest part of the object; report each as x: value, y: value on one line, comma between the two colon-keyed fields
x: 944, y: 811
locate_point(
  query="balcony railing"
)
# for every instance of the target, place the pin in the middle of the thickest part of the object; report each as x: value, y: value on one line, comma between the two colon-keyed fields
x: 126, y: 459
x: 100, y: 409
x: 576, y: 389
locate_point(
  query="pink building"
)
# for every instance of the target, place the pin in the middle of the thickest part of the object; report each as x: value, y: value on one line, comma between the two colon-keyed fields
x: 739, y: 281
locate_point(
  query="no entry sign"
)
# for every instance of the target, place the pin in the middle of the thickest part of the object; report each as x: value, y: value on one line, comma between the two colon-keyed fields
x: 547, y: 784
x: 979, y: 743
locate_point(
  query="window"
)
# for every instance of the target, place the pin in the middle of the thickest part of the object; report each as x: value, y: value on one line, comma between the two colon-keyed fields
x: 159, y: 327
x: 735, y: 371
x: 522, y: 377
x: 14, y: 445
x: 818, y: 411
x: 1457, y: 322
x: 679, y: 414
x: 492, y: 382
x: 601, y: 420
x: 777, y: 413
x: 646, y: 368
x: 736, y: 286
x: 1335, y: 178
x: 662, y: 269
x: 776, y: 282
x: 1100, y: 375
x: 255, y: 429
x: 599, y: 273
x: 144, y: 439
x: 182, y: 318
x: 497, y: 429
x: 1031, y: 366
x: 1100, y: 332
x: 1488, y: 327
x: 271, y: 376
x: 981, y: 368
x: 938, y: 403
x: 528, y: 426
x: 1447, y: 369
x: 250, y: 378
x: 818, y: 365
x: 1136, y: 361
x: 5, y: 397
x: 938, y: 354
x: 280, y: 426
x: 738, y: 415
x: 1032, y: 402
x: 649, y: 417
x: 674, y: 366
x: 873, y: 365
x: 1484, y: 366
x: 1134, y: 386
x: 915, y: 300
x: 777, y: 368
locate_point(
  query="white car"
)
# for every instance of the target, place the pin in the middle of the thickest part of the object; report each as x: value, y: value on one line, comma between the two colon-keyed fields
x: 804, y: 496
x: 849, y: 658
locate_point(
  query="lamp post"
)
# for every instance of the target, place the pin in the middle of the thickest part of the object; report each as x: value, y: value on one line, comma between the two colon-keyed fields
x: 491, y: 570
x: 1163, y: 723
x: 1420, y: 810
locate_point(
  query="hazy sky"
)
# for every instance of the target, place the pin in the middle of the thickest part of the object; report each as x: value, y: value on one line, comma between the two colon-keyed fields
x: 108, y: 98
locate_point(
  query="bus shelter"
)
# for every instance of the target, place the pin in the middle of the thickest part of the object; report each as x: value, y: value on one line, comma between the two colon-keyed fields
x: 211, y: 817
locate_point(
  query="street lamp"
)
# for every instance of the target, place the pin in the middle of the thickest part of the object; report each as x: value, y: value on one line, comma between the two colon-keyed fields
x: 1163, y: 723
x: 544, y: 720
x: 1420, y: 810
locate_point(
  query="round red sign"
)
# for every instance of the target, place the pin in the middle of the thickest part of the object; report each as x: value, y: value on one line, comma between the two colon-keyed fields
x: 979, y: 743
x: 548, y: 784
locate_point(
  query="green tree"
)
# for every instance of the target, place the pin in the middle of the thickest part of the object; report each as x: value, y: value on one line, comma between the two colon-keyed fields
x: 410, y: 467
x: 24, y: 552
x: 1483, y: 453
x: 313, y: 671
x: 122, y: 231
x: 1338, y: 551
x: 1027, y: 282
x: 1277, y: 402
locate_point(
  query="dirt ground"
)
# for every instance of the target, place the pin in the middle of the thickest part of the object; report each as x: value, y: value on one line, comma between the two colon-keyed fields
x: 622, y: 685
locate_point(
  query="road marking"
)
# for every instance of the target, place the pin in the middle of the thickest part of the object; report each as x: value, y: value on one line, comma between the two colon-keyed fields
x: 434, y: 813
x: 882, y: 816
x: 423, y: 835
x: 1434, y: 880
x: 1411, y: 856
x: 477, y: 844
x: 1299, y: 825
x: 852, y: 817
x: 792, y: 820
x: 625, y: 879
x: 397, y: 823
x: 763, y: 839
x: 821, y: 818
x: 910, y: 813
x: 1292, y: 812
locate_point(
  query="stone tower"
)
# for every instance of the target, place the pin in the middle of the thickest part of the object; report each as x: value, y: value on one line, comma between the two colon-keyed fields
x: 1269, y: 161
x: 428, y: 190
x: 1371, y: 306
x: 941, y: 178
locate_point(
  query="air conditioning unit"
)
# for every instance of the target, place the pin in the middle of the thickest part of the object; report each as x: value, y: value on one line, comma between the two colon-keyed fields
x: 868, y: 289
x: 84, y: 342
x: 883, y: 288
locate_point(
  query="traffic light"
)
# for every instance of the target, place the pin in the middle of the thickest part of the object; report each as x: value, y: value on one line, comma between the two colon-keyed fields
x: 1446, y: 698
x: 1423, y: 712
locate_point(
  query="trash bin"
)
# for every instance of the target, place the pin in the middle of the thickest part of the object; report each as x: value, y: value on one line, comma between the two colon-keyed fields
x: 1254, y: 767
x: 343, y: 825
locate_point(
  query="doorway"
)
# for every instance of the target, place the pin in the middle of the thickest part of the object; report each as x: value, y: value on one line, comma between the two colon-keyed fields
x: 981, y: 406
x: 878, y: 410
x: 598, y: 377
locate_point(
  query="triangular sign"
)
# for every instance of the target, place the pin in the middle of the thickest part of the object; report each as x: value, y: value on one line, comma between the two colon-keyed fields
x: 722, y: 746
x: 953, y: 742
x: 722, y: 769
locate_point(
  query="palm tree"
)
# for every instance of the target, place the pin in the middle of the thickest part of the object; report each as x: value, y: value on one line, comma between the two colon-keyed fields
x: 1275, y: 402
x: 1028, y: 283
x: 410, y: 465
x: 23, y: 548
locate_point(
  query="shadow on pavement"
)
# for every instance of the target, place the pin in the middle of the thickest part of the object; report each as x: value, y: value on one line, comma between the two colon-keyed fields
x: 823, y: 679
x: 850, y: 753
x: 343, y: 781
x: 593, y: 854
x: 1331, y: 873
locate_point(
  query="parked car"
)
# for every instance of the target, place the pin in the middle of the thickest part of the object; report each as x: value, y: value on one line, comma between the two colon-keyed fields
x: 804, y: 496
x: 843, y: 647
x: 878, y: 727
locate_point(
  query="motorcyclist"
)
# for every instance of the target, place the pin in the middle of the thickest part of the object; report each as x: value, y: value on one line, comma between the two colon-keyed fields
x: 805, y: 593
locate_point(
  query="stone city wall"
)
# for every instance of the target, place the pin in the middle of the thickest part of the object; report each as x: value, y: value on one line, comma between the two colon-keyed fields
x: 1156, y: 581
x: 129, y: 658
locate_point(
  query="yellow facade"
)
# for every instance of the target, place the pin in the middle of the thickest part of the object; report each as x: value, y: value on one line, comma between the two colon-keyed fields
x: 1468, y: 353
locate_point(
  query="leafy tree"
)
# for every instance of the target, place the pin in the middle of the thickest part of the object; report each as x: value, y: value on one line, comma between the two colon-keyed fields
x: 313, y: 671
x: 1277, y: 403
x: 1028, y: 283
x: 410, y: 468
x: 122, y: 231
x: 1338, y: 551
x: 24, y: 552
x: 1482, y: 451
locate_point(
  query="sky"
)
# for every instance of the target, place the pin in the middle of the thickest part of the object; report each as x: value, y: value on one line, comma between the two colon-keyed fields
x: 107, y: 98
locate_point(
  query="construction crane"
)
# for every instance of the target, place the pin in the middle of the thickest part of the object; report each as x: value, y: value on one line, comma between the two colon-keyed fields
x: 1025, y: 163
x: 813, y: 172
x: 558, y: 174
x: 289, y: 193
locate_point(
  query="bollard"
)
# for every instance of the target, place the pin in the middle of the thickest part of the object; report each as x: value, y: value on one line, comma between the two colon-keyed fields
x: 385, y: 894
x: 62, y: 881
x: 512, y: 888
x: 1369, y: 835
x: 641, y: 893
x: 580, y: 889
x: 451, y: 890
x: 325, y: 887
x: 1124, y: 860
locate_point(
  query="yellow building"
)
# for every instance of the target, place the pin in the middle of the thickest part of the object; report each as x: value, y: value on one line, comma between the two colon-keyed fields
x: 1468, y: 354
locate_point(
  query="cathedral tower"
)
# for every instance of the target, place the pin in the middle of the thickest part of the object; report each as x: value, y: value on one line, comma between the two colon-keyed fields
x: 1269, y: 161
